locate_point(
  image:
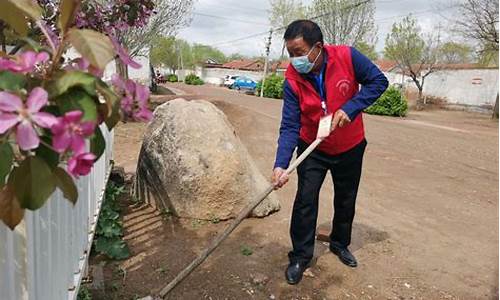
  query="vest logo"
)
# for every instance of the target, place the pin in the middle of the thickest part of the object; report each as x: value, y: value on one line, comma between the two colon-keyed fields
x: 343, y: 85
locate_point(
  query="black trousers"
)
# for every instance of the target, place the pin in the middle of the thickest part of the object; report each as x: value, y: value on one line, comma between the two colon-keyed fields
x: 345, y: 169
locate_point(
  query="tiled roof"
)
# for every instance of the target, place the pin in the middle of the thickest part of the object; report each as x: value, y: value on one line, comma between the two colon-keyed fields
x: 282, y: 65
x: 385, y: 65
x: 245, y: 64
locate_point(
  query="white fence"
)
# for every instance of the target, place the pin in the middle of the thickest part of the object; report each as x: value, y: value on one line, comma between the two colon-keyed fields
x: 45, y: 257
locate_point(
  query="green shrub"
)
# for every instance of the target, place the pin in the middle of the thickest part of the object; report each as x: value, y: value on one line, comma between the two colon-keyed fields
x: 193, y: 80
x: 273, y: 87
x: 109, y: 232
x: 84, y: 294
x: 391, y: 103
x: 172, y: 78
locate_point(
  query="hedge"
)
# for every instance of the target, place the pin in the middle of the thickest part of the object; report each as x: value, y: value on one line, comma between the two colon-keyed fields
x: 273, y: 87
x: 391, y: 103
x: 193, y: 80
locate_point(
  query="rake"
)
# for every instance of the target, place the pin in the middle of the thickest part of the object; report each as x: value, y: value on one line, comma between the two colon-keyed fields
x: 323, y: 132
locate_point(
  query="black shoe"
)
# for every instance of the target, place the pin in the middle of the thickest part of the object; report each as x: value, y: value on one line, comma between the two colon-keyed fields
x: 345, y: 255
x: 294, y: 272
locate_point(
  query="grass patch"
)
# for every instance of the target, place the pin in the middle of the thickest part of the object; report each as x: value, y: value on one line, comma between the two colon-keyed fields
x: 246, y: 250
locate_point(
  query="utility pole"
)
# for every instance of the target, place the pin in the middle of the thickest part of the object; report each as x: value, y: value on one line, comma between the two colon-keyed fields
x: 268, y: 47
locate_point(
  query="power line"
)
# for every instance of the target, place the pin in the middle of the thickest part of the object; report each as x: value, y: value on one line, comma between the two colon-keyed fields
x: 283, y: 27
x: 415, y: 13
x: 375, y: 20
x: 230, y: 19
x: 390, y: 1
x: 322, y: 15
x: 239, y: 7
x: 240, y: 39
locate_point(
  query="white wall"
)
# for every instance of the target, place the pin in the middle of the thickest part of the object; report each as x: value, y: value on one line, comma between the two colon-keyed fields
x: 181, y: 74
x: 477, y: 87
x: 216, y: 75
x: 141, y: 74
x: 465, y: 87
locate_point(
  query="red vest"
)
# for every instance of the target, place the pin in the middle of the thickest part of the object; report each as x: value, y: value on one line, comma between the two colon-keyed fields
x: 340, y: 87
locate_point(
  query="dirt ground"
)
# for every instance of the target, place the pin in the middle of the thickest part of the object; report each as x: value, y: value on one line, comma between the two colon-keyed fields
x: 426, y: 225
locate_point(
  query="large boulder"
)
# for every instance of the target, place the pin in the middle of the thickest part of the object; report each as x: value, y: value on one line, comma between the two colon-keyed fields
x: 193, y: 164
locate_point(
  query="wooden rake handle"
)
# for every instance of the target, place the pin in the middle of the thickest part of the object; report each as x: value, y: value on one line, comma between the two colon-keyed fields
x: 242, y: 215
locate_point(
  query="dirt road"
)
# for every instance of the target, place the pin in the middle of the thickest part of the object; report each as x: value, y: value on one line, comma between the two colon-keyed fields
x: 426, y: 225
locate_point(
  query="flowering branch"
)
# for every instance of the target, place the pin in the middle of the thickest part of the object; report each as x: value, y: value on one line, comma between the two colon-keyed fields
x: 50, y: 107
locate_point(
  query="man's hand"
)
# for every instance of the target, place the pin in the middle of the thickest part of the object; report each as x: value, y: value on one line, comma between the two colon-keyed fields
x: 279, y: 178
x: 340, y: 119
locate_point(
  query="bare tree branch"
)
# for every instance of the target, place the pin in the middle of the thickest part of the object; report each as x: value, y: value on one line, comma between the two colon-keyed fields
x: 345, y: 23
x: 478, y: 20
x: 170, y: 16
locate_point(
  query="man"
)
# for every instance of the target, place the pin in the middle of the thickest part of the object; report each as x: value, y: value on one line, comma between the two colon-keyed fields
x: 321, y: 80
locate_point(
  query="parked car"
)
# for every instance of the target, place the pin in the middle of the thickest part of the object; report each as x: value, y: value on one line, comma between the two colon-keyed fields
x: 229, y: 80
x: 244, y: 83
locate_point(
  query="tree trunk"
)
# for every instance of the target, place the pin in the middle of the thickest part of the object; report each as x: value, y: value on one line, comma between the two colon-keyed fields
x: 282, y: 51
x: 495, y: 109
x: 121, y: 69
x: 154, y: 85
x: 2, y: 37
x: 420, y: 99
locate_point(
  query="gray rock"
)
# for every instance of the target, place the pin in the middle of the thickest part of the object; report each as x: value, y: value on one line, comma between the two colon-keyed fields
x: 193, y: 164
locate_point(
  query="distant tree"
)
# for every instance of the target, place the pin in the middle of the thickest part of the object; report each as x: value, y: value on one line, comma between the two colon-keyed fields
x: 184, y: 53
x: 202, y: 52
x: 235, y: 56
x: 345, y: 21
x: 414, y: 53
x: 163, y: 53
x: 455, y: 53
x: 258, y: 57
x: 284, y: 12
x: 478, y: 21
x: 367, y: 49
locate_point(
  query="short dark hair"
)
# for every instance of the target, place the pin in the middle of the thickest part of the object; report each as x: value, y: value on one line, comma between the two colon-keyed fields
x: 306, y: 29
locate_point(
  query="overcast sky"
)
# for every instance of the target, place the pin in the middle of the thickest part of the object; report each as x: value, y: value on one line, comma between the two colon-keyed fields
x: 236, y: 19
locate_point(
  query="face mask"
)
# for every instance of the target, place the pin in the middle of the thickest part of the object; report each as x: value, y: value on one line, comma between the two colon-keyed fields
x: 302, y: 63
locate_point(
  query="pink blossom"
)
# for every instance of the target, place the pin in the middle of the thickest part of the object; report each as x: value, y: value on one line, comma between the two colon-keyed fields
x: 70, y: 132
x: 142, y: 96
x: 13, y: 113
x: 134, y: 103
x: 122, y: 53
x: 24, y: 62
x: 82, y: 64
x: 81, y: 164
